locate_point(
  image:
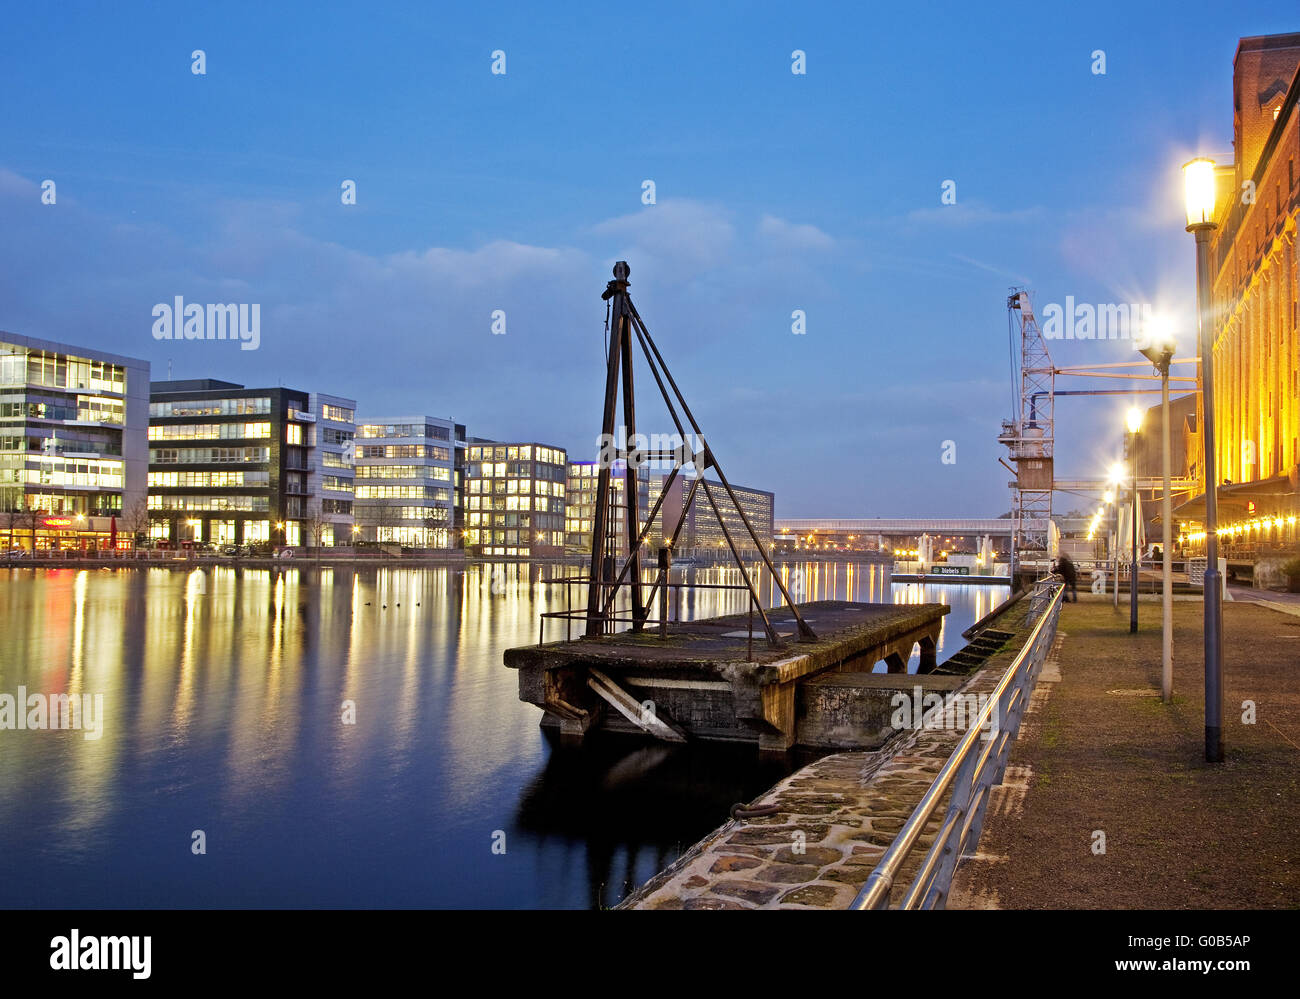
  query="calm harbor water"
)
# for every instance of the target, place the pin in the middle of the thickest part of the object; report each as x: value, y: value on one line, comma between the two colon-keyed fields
x: 223, y: 693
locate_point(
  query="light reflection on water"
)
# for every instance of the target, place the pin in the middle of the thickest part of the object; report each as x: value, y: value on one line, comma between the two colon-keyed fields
x: 223, y: 692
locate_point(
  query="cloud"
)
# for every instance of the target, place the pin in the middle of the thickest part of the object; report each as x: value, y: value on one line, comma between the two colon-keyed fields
x: 793, y: 236
x: 676, y: 238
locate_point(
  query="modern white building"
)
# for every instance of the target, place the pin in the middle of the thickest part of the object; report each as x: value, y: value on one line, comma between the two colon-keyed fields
x: 74, y: 450
x: 331, y: 483
x: 408, y: 480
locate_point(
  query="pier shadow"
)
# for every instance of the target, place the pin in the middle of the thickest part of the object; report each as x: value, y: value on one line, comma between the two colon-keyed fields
x: 636, y: 806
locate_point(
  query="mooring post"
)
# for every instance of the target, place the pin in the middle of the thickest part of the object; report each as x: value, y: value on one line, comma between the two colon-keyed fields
x: 665, y: 560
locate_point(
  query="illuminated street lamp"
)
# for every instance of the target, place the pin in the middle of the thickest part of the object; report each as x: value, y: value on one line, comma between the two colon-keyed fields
x: 1134, y: 421
x: 1160, y: 352
x: 1199, y: 190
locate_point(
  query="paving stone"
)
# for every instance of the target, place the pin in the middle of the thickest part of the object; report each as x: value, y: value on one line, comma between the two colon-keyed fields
x: 789, y: 874
x: 850, y: 874
x: 822, y: 896
x: 711, y: 903
x: 819, y: 855
x: 747, y: 890
x: 732, y: 863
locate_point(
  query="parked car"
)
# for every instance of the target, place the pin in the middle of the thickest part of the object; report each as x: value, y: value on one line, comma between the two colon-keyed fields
x: 232, y: 550
x: 16, y: 553
x: 285, y: 553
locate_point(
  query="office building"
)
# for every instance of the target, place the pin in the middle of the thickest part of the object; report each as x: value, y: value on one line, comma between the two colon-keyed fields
x: 701, y: 530
x: 408, y: 481
x: 248, y: 466
x: 580, y: 505
x: 73, y: 447
x: 514, y: 499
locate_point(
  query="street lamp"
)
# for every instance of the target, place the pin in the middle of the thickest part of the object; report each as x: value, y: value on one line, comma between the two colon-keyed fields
x: 1199, y: 190
x: 1160, y: 352
x: 1134, y: 421
x: 1116, y: 480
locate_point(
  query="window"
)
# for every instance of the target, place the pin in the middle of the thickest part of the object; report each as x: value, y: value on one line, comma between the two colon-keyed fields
x: 293, y: 433
x: 338, y: 414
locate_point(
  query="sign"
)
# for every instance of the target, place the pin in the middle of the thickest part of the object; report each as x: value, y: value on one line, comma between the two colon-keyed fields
x: 950, y: 570
x: 63, y: 522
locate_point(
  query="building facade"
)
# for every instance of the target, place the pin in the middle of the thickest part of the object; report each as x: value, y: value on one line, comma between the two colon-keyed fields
x: 330, y: 478
x: 1253, y: 264
x: 73, y: 445
x: 408, y: 481
x: 580, y: 505
x: 514, y: 499
x: 234, y: 465
x: 702, y: 530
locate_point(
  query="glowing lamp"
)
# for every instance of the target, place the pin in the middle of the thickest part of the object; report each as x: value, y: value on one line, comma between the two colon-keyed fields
x: 1199, y: 191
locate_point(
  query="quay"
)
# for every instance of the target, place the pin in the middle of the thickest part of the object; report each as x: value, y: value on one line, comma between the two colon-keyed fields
x: 718, y: 679
x: 1100, y: 753
x: 814, y: 840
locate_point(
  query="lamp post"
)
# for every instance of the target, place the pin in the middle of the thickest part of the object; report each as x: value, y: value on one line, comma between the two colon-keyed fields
x: 1199, y: 189
x: 1134, y: 421
x: 1117, y: 479
x: 1161, y: 354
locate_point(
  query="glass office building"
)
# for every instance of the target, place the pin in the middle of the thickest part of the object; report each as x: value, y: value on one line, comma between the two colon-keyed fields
x: 580, y: 505
x: 408, y: 481
x: 514, y: 499
x: 234, y: 465
x: 702, y: 531
x: 73, y: 451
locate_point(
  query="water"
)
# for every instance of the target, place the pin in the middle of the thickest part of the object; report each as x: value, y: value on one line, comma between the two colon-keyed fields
x: 223, y: 698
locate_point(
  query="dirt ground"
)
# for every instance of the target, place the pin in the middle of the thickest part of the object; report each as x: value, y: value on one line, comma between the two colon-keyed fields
x: 1100, y: 753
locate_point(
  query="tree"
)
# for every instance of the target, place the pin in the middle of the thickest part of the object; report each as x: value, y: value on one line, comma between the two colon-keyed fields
x: 315, y: 524
x: 30, y: 519
x: 136, y: 520
x: 383, y: 517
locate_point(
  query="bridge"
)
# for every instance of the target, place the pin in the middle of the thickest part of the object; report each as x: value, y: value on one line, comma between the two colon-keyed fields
x: 864, y: 534
x: 899, y: 527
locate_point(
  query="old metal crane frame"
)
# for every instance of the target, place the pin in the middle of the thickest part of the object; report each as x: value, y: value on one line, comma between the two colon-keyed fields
x: 624, y: 323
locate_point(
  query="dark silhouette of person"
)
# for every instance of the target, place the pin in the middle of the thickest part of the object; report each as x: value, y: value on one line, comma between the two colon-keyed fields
x: 1071, y: 576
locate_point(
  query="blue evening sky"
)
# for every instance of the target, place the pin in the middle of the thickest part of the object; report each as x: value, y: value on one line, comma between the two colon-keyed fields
x: 476, y: 192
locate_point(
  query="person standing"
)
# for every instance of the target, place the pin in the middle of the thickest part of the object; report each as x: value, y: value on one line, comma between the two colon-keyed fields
x: 1070, y: 574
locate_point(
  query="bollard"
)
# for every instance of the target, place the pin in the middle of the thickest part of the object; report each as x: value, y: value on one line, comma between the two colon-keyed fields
x: 665, y: 562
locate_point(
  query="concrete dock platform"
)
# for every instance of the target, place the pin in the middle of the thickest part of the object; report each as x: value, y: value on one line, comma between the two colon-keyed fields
x: 709, y: 680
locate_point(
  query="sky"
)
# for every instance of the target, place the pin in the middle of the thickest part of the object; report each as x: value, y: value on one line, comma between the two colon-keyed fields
x: 480, y: 192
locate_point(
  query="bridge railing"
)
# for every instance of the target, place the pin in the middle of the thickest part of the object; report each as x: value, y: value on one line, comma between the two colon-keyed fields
x: 966, y: 779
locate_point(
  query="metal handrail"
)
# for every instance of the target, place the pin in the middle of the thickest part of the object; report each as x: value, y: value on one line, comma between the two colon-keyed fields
x: 969, y: 775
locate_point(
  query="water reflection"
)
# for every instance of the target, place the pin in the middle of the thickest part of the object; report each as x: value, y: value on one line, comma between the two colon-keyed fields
x: 225, y: 694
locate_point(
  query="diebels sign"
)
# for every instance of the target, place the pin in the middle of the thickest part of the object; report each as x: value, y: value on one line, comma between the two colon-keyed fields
x: 950, y: 570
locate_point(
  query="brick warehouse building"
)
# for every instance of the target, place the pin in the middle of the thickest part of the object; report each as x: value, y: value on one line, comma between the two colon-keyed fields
x: 1254, y: 288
